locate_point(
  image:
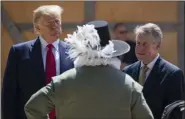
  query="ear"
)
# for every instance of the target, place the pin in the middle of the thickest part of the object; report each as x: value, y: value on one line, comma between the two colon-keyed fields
x: 36, y: 28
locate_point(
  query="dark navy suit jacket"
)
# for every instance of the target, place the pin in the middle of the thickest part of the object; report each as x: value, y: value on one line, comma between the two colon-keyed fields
x: 24, y: 75
x: 164, y: 85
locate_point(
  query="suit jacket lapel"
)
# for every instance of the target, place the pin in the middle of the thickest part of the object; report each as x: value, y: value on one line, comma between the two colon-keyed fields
x: 64, y: 61
x: 137, y: 70
x: 36, y: 57
x: 152, y: 79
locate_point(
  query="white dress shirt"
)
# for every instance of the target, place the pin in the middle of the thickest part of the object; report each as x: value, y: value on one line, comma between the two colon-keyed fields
x: 150, y: 66
x: 55, y: 51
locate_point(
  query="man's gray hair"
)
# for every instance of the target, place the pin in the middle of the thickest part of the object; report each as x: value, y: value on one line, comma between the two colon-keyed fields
x: 149, y: 29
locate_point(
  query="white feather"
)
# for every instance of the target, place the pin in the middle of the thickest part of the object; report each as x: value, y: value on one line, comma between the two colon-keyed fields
x: 85, y: 47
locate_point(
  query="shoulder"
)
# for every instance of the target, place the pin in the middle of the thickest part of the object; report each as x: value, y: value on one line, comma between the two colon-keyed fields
x: 169, y: 67
x: 23, y: 45
x: 170, y: 71
x: 131, y: 66
x: 63, y: 44
x: 65, y: 77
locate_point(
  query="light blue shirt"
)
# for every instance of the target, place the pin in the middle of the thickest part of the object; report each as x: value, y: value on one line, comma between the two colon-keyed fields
x: 55, y: 51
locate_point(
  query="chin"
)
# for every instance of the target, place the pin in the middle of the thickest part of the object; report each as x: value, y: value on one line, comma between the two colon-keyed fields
x: 140, y: 57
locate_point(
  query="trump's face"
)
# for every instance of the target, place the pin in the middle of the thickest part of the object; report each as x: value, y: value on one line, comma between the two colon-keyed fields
x: 49, y: 27
x: 146, y: 48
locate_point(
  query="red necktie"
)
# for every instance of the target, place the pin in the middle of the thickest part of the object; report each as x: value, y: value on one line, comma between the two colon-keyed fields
x: 50, y: 70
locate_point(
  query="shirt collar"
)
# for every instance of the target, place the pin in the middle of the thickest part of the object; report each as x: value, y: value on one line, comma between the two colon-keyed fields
x: 44, y: 43
x: 151, y: 64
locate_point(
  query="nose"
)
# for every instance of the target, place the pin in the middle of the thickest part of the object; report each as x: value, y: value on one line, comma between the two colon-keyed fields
x: 55, y: 26
x: 139, y: 48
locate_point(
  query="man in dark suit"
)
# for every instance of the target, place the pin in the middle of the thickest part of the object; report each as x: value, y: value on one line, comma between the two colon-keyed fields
x: 31, y: 64
x: 163, y: 82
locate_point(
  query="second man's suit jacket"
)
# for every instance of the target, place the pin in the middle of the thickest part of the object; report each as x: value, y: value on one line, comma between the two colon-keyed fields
x: 164, y: 85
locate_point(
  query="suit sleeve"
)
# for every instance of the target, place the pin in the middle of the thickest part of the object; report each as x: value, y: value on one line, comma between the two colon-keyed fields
x: 40, y: 103
x: 175, y: 87
x: 139, y: 107
x: 9, y: 87
x: 175, y: 90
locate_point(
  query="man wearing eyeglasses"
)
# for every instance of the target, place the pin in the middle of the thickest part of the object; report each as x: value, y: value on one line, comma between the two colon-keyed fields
x: 121, y: 33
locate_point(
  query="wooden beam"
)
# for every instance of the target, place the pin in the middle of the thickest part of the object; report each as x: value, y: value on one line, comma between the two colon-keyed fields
x: 181, y: 31
x: 89, y: 10
x: 164, y: 26
x: 15, y: 33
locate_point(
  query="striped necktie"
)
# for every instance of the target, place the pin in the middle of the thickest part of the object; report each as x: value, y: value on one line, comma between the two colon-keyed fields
x: 142, y: 76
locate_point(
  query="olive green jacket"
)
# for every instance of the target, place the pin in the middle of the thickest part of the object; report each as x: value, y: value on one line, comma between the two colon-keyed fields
x: 100, y: 92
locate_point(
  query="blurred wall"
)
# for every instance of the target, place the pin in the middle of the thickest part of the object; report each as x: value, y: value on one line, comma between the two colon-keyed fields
x: 166, y: 14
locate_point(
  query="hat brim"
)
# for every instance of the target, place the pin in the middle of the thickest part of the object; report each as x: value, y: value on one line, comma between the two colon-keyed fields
x: 120, y: 47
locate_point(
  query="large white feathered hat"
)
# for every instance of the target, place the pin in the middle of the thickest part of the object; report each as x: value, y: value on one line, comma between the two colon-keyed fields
x: 93, y: 41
